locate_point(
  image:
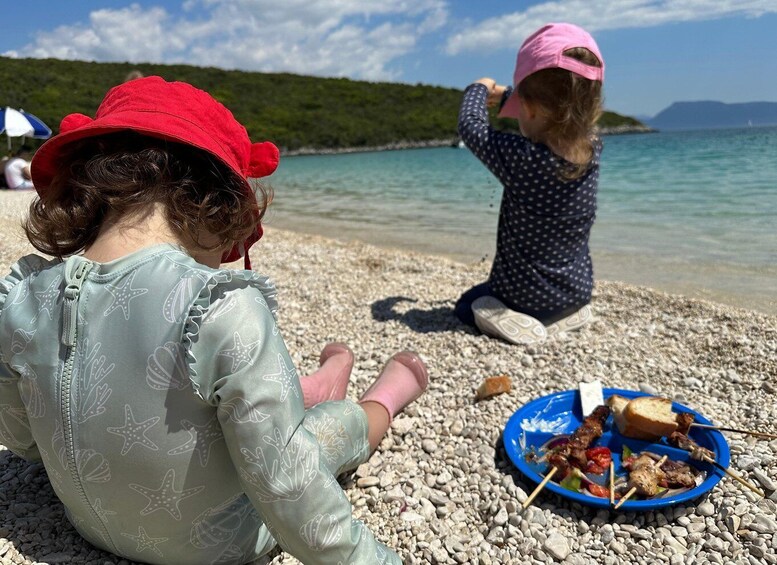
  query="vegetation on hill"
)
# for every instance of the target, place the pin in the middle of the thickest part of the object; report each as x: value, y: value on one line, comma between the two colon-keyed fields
x: 291, y: 110
x: 613, y: 120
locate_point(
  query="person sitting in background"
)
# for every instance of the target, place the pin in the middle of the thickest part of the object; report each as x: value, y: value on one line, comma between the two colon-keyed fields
x: 3, y: 161
x: 17, y: 171
x: 132, y: 75
x: 542, y: 277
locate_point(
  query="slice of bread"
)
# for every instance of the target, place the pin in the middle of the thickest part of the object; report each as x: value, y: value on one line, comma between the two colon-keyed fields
x: 646, y: 417
x: 649, y: 418
x: 617, y: 404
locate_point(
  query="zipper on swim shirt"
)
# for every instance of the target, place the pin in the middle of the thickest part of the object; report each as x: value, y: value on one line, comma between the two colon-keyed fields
x: 74, y: 283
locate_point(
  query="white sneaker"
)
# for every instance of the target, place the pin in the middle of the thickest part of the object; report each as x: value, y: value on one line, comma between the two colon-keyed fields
x: 495, y: 319
x: 572, y: 322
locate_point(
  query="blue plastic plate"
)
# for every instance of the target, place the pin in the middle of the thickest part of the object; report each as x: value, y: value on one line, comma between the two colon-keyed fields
x: 560, y: 413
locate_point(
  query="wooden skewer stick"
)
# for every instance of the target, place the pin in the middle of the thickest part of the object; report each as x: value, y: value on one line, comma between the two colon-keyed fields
x: 735, y: 430
x: 632, y: 490
x: 628, y: 495
x: 612, y: 482
x: 540, y: 486
x: 733, y: 475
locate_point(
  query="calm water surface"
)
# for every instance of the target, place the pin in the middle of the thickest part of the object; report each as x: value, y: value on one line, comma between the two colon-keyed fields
x: 690, y: 212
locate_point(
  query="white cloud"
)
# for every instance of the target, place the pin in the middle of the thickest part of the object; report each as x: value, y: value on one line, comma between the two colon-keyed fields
x: 323, y: 37
x: 131, y: 31
x: 597, y: 15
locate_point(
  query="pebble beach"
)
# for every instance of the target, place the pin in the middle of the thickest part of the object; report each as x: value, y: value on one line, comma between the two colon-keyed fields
x: 441, y: 489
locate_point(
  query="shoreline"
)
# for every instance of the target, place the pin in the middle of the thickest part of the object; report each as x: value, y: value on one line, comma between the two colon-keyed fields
x: 445, y: 490
x: 744, y: 287
x: 714, y: 282
x: 446, y: 142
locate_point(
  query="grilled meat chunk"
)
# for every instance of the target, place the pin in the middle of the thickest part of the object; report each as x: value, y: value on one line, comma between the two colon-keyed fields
x: 645, y: 476
x: 684, y: 442
x: 572, y: 454
x: 678, y: 475
x: 684, y: 421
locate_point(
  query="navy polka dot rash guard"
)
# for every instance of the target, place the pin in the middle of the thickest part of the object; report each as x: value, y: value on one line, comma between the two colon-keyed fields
x: 542, y: 263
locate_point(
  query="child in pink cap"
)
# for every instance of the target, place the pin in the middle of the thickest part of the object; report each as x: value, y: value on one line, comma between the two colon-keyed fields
x: 542, y: 277
x: 152, y: 383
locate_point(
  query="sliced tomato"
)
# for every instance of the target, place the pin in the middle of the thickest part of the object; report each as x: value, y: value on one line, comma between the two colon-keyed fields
x: 594, y: 469
x: 598, y: 490
x: 601, y: 456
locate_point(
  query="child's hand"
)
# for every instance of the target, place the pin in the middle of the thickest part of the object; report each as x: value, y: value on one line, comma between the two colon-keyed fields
x: 489, y: 83
x: 495, y: 95
x: 495, y: 91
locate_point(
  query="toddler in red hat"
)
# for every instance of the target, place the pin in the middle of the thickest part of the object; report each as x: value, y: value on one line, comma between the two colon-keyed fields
x: 542, y: 277
x: 153, y: 384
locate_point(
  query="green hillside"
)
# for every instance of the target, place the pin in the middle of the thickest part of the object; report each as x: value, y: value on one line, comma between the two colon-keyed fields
x: 291, y: 110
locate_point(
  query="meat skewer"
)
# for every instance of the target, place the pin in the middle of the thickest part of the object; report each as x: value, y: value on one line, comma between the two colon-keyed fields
x: 643, y: 477
x: 682, y: 441
x: 572, y: 454
x: 697, y: 452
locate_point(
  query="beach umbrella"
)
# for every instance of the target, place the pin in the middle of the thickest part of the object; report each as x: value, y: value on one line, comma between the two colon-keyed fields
x: 18, y: 123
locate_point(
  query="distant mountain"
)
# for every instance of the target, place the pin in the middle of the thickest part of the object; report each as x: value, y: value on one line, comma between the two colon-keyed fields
x: 709, y: 114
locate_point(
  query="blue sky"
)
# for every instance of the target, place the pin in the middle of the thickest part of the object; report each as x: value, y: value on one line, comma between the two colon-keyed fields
x: 656, y: 51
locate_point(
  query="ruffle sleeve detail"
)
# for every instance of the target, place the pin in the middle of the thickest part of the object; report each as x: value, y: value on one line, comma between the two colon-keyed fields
x: 231, y: 279
x: 23, y: 268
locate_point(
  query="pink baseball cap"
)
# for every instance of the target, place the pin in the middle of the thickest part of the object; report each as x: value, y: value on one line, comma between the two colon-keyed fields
x: 544, y: 49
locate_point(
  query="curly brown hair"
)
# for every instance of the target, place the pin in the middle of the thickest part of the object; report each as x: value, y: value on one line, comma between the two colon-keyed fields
x: 573, y: 105
x: 127, y: 173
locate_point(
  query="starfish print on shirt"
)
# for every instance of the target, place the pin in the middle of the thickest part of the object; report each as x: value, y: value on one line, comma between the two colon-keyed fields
x: 101, y: 512
x: 201, y: 438
x: 165, y: 497
x: 239, y: 353
x: 145, y: 541
x: 122, y: 294
x: 134, y: 432
x: 285, y: 377
x: 47, y: 299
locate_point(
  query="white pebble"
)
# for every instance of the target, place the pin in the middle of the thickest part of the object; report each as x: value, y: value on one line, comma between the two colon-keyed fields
x: 705, y: 509
x: 557, y: 546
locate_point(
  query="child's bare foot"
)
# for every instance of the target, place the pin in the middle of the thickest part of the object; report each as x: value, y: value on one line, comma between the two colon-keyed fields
x: 330, y: 381
x: 403, y: 380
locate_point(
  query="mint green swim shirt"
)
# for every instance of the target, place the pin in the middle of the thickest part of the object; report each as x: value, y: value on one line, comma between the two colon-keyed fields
x: 164, y: 405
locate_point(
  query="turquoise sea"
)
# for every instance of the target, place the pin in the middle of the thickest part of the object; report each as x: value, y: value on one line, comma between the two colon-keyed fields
x: 691, y: 212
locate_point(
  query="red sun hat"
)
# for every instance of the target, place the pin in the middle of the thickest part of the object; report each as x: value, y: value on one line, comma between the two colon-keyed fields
x: 174, y: 111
